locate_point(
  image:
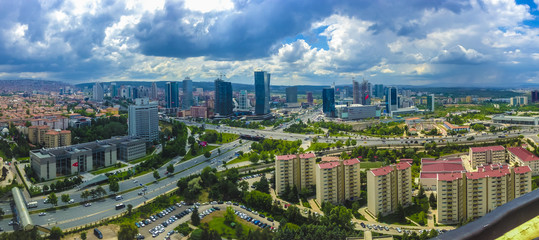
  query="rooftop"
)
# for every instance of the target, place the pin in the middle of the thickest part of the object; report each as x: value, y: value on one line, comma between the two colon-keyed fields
x: 522, y: 169
x: 382, y: 171
x: 523, y: 154
x: 403, y: 165
x: 307, y: 155
x: 448, y: 176
x: 329, y: 159
x: 285, y: 157
x: 351, y: 161
x: 488, y: 148
x: 328, y: 165
x: 442, y: 167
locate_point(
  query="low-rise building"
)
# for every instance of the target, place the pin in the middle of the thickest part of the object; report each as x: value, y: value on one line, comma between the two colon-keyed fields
x: 523, y: 157
x: 337, y: 181
x: 294, y: 170
x: 486, y: 155
x: 430, y: 168
x: 388, y: 187
x: 456, y: 128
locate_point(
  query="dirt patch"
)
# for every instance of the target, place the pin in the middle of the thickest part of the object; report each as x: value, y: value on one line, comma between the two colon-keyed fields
x: 212, y: 215
x: 110, y: 232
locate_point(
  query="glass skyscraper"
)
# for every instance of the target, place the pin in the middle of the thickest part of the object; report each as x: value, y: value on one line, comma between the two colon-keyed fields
x: 223, y: 97
x: 172, y: 95
x: 187, y: 99
x: 262, y: 92
x: 328, y: 101
x: 391, y: 99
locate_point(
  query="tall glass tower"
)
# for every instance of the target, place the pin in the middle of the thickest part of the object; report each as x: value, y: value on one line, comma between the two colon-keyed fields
x: 328, y: 101
x: 262, y: 92
x: 223, y: 97
x: 187, y: 99
x: 172, y: 95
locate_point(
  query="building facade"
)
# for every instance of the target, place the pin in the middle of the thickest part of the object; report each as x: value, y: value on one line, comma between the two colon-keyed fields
x: 388, y: 187
x: 98, y: 92
x: 294, y: 170
x: 187, y: 97
x: 328, y: 102
x: 143, y: 120
x: 337, y: 181
x: 392, y: 102
x: 486, y: 155
x: 310, y: 100
x: 523, y: 157
x: 223, y: 98
x: 262, y: 92
x: 172, y: 97
x: 292, y: 94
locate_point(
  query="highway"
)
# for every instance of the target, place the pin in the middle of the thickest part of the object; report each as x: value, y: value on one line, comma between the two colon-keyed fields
x: 80, y: 215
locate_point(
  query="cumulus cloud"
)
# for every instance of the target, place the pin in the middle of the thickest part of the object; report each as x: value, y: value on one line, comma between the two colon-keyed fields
x: 459, y: 55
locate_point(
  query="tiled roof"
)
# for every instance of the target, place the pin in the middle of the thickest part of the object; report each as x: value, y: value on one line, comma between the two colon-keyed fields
x: 522, y: 169
x: 329, y: 159
x: 285, y: 157
x: 523, y: 154
x: 307, y: 155
x: 448, y: 176
x: 428, y: 175
x: 382, y: 171
x: 351, y: 161
x: 403, y: 165
x: 442, y: 167
x: 484, y: 149
x: 327, y: 165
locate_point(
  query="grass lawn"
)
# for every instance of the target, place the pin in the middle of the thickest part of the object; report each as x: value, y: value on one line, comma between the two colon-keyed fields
x: 189, y: 156
x: 104, y: 170
x: 371, y: 164
x: 239, y: 159
x: 228, y: 137
x: 216, y: 221
x: 141, y: 159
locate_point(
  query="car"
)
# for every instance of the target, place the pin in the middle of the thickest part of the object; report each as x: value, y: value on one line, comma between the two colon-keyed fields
x: 262, y: 215
x: 87, y: 204
x: 139, y: 193
x: 386, y: 228
x: 1, y: 229
x: 137, y: 224
x: 71, y: 201
x: 362, y: 225
x: 135, y: 181
x: 270, y: 219
x: 235, y: 204
x: 12, y: 223
x: 42, y: 214
x: 399, y: 230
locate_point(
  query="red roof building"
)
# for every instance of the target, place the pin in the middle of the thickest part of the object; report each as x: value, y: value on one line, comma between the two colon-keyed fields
x: 523, y: 157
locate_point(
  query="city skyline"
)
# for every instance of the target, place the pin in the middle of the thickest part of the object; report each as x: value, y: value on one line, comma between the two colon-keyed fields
x: 421, y: 43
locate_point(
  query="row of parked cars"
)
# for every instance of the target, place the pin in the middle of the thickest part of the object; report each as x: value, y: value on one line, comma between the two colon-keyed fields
x: 254, y: 220
x: 207, y: 212
x: 251, y: 176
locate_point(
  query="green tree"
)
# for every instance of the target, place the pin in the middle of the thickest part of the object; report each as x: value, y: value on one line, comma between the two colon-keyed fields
x: 127, y: 231
x: 239, y: 231
x: 53, y: 199
x: 100, y: 191
x: 156, y: 175
x: 114, y: 186
x: 83, y: 235
x: 262, y: 185
x: 129, y: 209
x: 170, y: 168
x: 65, y: 198
x: 195, y: 219
x: 254, y: 158
x: 45, y: 188
x: 229, y: 215
x: 432, y: 201
x: 2, y: 212
x: 207, y: 154
x: 56, y: 233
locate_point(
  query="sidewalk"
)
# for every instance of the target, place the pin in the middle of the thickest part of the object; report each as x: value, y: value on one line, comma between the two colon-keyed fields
x: 363, y: 211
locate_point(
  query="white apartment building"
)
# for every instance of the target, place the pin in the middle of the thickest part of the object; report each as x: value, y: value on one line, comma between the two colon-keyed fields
x: 143, y: 120
x: 486, y: 155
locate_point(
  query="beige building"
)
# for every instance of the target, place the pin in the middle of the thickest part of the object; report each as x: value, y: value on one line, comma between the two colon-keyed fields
x: 337, y: 181
x: 36, y: 134
x: 486, y: 155
x: 294, y: 170
x: 523, y: 157
x: 56, y: 138
x: 472, y: 195
x: 389, y: 186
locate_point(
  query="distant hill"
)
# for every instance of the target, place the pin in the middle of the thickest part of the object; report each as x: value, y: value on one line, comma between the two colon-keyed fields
x: 29, y: 85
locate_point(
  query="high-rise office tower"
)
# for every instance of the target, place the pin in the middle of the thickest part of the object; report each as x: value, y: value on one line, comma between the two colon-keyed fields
x: 153, y: 91
x: 328, y: 101
x: 187, y: 99
x: 355, y: 93
x: 243, y: 102
x: 172, y: 96
x: 97, y: 92
x: 292, y: 94
x: 113, y: 90
x: 143, y: 119
x: 223, y: 97
x: 379, y: 90
x: 310, y: 98
x: 535, y: 96
x: 262, y: 92
x: 365, y: 93
x: 391, y: 99
x: 430, y: 102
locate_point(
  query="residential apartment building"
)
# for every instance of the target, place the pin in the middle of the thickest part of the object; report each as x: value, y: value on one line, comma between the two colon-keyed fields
x: 486, y: 155
x: 143, y: 120
x: 57, y: 138
x: 36, y: 134
x: 523, y: 157
x: 389, y: 186
x: 337, y: 181
x: 294, y: 170
x: 471, y: 195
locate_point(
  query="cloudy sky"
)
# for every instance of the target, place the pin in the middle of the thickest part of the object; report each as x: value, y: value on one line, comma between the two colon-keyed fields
x: 415, y: 42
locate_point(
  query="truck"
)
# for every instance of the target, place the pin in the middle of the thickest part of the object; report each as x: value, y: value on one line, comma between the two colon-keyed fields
x: 31, y: 204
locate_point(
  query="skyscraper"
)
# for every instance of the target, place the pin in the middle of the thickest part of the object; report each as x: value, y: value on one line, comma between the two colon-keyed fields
x: 223, y: 97
x: 262, y: 92
x: 328, y: 101
x: 113, y: 90
x: 187, y: 99
x: 310, y: 98
x: 379, y: 90
x: 143, y: 119
x: 355, y: 92
x: 430, y: 102
x: 153, y: 91
x: 243, y: 102
x: 365, y: 93
x: 391, y: 99
x: 292, y: 94
x: 172, y: 97
x: 97, y: 92
x: 535, y: 96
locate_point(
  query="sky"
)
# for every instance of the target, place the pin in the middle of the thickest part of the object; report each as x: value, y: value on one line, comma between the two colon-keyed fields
x: 453, y: 43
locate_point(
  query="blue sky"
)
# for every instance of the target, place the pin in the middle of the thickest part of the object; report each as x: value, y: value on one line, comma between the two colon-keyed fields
x: 414, y: 42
